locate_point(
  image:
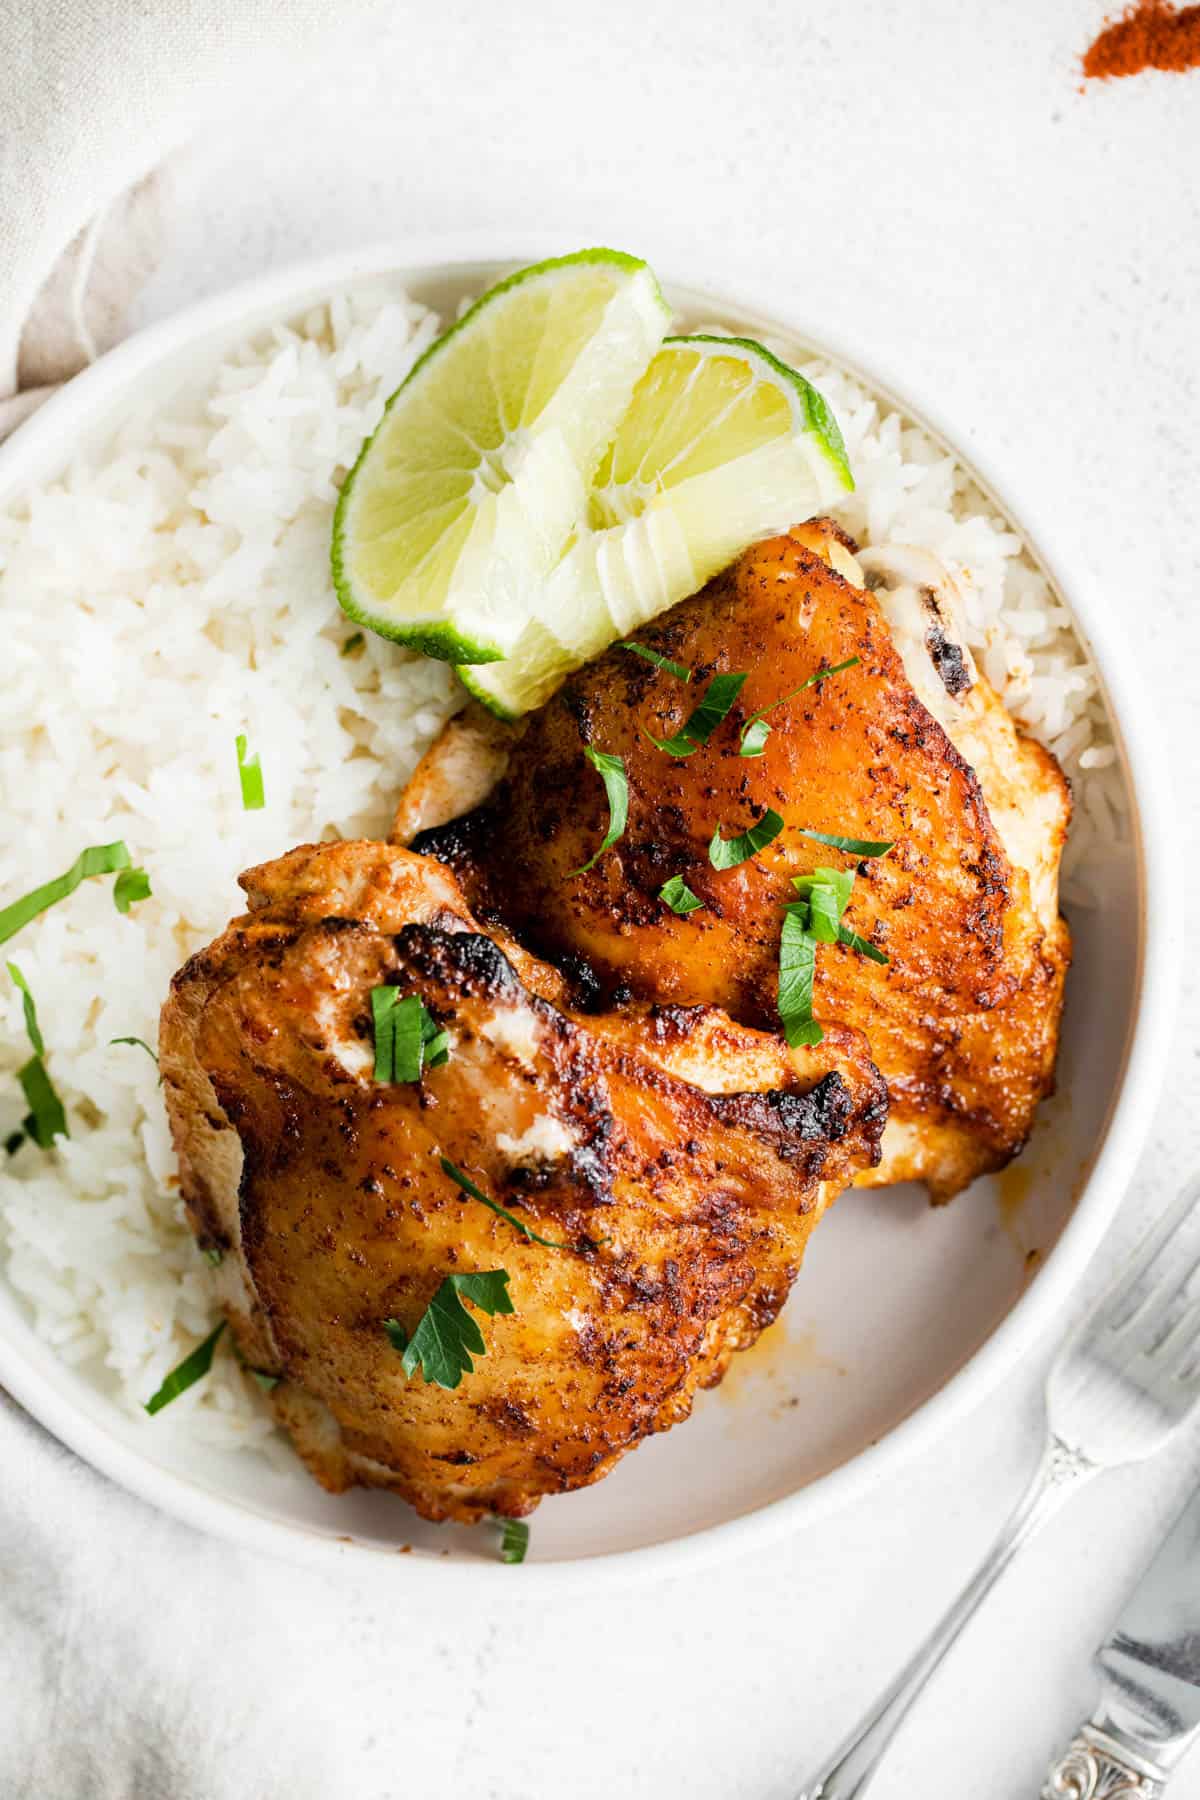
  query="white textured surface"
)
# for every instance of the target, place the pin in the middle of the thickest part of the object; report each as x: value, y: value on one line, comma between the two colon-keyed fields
x: 929, y: 179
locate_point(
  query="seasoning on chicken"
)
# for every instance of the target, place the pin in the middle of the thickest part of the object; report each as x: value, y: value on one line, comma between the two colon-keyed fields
x: 963, y: 1021
x: 679, y: 1160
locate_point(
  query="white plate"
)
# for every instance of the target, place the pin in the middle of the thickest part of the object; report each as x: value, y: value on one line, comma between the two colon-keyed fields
x: 903, y: 1316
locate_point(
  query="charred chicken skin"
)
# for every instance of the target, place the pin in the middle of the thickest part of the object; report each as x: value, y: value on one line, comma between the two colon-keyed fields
x: 677, y: 1162
x: 963, y: 1020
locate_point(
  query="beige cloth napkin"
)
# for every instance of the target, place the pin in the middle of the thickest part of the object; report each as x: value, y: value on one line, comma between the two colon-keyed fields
x: 94, y: 94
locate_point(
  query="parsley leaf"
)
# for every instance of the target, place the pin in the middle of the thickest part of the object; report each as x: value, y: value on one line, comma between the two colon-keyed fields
x: 660, y: 662
x: 130, y: 886
x: 756, y: 731
x: 447, y: 1336
x: 797, y: 965
x: 715, y: 703
x: 99, y: 859
x: 852, y: 846
x: 354, y: 642
x: 727, y: 853
x: 861, y: 944
x: 47, y: 1118
x: 192, y: 1369
x: 815, y: 918
x: 29, y: 1009
x: 141, y: 1043
x: 514, y: 1540
x: 407, y: 1036
x: 468, y: 1187
x: 251, y: 777
x: 840, y: 880
x: 611, y: 770
x: 679, y: 896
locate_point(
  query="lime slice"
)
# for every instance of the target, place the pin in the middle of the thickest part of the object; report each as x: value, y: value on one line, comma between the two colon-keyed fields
x: 464, y: 499
x: 721, y: 444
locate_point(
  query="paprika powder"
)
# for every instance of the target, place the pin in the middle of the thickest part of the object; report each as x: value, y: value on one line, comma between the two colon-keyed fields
x: 1150, y: 35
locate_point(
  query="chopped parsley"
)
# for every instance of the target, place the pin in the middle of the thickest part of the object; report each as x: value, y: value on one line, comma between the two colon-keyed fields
x: 468, y: 1187
x: 251, y: 777
x: 660, y: 662
x: 141, y: 1044
x: 679, y: 896
x: 815, y: 917
x: 514, y: 1540
x: 46, y: 1118
x: 98, y: 859
x: 446, y: 1336
x: 354, y: 642
x: 852, y: 846
x: 727, y: 853
x: 130, y: 886
x: 797, y: 966
x: 864, y: 947
x: 756, y: 731
x: 407, y: 1036
x: 611, y: 770
x: 192, y: 1369
x: 715, y: 703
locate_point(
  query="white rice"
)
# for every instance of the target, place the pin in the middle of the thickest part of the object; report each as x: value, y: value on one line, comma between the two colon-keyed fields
x: 164, y: 597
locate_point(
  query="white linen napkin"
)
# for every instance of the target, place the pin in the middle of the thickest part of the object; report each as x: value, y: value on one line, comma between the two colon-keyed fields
x: 93, y: 95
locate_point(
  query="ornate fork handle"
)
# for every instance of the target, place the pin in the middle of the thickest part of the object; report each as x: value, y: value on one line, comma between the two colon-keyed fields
x: 1060, y: 1474
x: 1096, y: 1767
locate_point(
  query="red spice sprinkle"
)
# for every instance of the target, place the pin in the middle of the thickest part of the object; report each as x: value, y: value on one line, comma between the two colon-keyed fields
x: 1152, y: 35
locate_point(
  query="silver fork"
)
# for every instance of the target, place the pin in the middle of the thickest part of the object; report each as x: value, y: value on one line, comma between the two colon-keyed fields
x: 1121, y: 1386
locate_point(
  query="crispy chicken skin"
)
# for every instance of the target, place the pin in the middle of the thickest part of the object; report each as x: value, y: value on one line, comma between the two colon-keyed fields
x: 681, y: 1158
x: 963, y: 1021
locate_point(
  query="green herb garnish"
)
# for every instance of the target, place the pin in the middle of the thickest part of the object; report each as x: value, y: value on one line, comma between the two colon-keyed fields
x: 192, y: 1369
x: 354, y: 642
x: 756, y: 731
x: 141, y: 1044
x: 679, y: 896
x: 727, y: 853
x: 29, y: 1009
x: 797, y: 965
x: 660, y: 662
x: 814, y: 918
x: 715, y: 703
x: 14, y: 1140
x: 611, y: 770
x: 99, y: 859
x: 864, y: 947
x: 47, y: 1118
x: 407, y: 1036
x: 468, y: 1187
x: 251, y: 777
x: 852, y: 846
x: 214, y: 1255
x: 447, y: 1336
x: 130, y: 886
x: 514, y: 1540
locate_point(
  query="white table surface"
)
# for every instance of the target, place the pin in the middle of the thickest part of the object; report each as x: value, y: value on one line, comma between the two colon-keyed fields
x: 930, y: 178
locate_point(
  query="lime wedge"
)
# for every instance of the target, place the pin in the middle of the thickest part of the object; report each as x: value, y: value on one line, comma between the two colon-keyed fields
x: 464, y: 499
x: 721, y: 444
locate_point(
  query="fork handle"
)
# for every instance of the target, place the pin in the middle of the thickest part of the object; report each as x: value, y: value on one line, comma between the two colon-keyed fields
x: 1060, y: 1474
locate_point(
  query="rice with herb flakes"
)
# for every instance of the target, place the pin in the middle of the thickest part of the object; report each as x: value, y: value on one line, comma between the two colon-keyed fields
x: 176, y: 594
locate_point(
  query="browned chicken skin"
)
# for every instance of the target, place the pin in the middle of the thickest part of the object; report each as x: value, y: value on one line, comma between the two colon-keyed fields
x: 963, y: 1021
x: 681, y: 1159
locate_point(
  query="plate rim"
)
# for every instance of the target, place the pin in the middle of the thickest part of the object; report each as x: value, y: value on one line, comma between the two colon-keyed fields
x: 441, y: 257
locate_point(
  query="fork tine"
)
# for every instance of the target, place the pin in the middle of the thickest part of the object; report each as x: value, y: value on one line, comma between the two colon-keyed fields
x: 1143, y: 1282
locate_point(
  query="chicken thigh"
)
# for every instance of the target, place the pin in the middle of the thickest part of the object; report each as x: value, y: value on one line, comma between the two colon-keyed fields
x: 646, y: 1180
x: 909, y: 747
